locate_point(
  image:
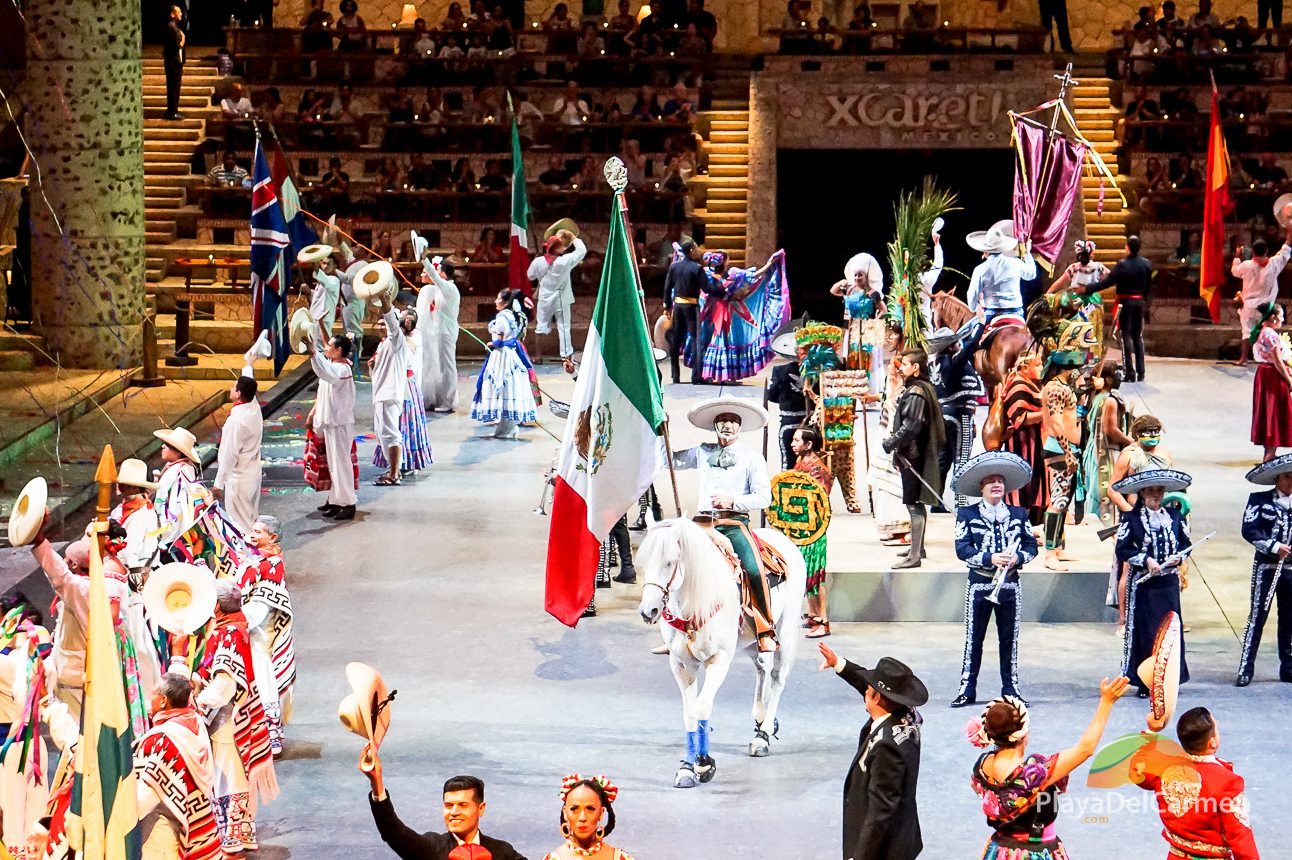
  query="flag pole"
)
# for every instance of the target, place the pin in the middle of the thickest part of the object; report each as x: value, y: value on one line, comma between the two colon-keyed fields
x: 617, y: 176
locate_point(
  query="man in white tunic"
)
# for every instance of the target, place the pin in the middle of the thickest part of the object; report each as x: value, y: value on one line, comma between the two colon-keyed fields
x: 237, y: 478
x: 552, y: 270
x: 389, y: 369
x: 1260, y: 277
x: 136, y: 514
x: 438, y: 303
x: 355, y: 307
x: 333, y: 417
x: 326, y: 293
x: 734, y: 483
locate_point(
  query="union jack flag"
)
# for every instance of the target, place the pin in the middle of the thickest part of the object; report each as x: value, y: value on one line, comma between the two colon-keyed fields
x: 271, y: 276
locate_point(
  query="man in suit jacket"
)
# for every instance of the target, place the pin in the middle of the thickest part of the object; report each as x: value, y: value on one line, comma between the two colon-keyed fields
x: 880, y: 818
x: 464, y: 806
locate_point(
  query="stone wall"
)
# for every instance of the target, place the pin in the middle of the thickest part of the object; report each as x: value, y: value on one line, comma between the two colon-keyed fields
x: 85, y: 126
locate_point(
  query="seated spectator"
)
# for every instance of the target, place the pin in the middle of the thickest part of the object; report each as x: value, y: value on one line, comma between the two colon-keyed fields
x: 1170, y: 26
x: 405, y: 252
x: 796, y: 15
x: 389, y: 176
x: 560, y: 20
x: 569, y: 108
x: 502, y: 39
x: 528, y: 117
x: 1184, y: 174
x: 1178, y: 104
x: 692, y: 45
x: 451, y: 51
x: 555, y: 177
x: 680, y: 107
x: 488, y: 250
x: 382, y: 247
x: 408, y: 42
x: 227, y: 173
x: 922, y: 17
x: 1256, y: 102
x: 1205, y: 45
x: 823, y: 37
x: 673, y: 179
x: 273, y: 110
x: 484, y: 108
x: 625, y: 19
x: 1268, y: 172
x: 352, y: 34
x: 1146, y: 44
x: 424, y: 45
x: 317, y: 26
x: 634, y: 162
x: 236, y: 105
x: 590, y: 42
x: 401, y: 106
x: 1233, y: 103
x: 861, y: 22
x: 1142, y: 107
x: 614, y: 113
x: 454, y: 19
x: 644, y: 38
x: 673, y: 235
x: 585, y: 175
x: 705, y: 24
x: 346, y: 106
x: 479, y: 17
x: 1154, y: 175
x: 476, y: 47
x: 1241, y: 37
x: 335, y: 179
x: 1190, y: 251
x: 647, y: 107
x: 312, y: 106
x: 493, y: 179
x: 421, y: 175
x: 1203, y: 17
x: 1239, y: 178
x: 433, y: 109
x: 463, y: 177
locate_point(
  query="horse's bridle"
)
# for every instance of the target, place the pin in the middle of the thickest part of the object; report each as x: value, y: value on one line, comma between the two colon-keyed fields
x: 667, y: 587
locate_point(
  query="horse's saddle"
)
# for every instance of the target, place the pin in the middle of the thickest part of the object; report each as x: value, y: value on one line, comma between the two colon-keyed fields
x: 1001, y: 322
x: 770, y: 561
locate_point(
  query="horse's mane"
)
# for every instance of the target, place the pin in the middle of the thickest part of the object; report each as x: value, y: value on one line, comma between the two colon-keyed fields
x: 706, y: 583
x: 950, y: 310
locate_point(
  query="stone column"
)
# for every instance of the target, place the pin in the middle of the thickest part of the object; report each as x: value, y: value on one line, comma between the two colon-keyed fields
x: 85, y: 126
x: 764, y: 119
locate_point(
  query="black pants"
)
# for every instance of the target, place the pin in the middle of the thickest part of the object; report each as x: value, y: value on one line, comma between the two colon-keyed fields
x: 1262, y: 582
x: 685, y: 322
x: 978, y: 612
x: 958, y: 449
x: 174, y: 78
x: 1271, y: 10
x: 1130, y: 318
x: 1054, y: 13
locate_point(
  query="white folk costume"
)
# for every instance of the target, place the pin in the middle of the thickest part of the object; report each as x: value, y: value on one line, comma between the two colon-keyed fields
x: 174, y: 780
x: 324, y: 298
x: 194, y: 526
x: 138, y: 517
x: 438, y: 304
x: 503, y: 392
x: 268, y: 609
x: 1260, y: 286
x: 355, y: 307
x: 238, y: 464
x: 389, y: 371
x: 556, y: 292
x: 244, y: 765
x: 334, y: 420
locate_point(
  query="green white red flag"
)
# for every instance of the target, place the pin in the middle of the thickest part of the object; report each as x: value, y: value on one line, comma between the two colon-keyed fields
x: 518, y: 259
x: 613, y: 446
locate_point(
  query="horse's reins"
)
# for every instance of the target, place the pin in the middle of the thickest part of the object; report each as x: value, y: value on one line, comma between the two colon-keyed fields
x: 682, y: 624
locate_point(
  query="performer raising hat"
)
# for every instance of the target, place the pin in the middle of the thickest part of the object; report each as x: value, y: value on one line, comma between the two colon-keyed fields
x: 552, y: 269
x: 1267, y: 526
x: 995, y: 540
x: 1150, y: 540
x: 995, y: 288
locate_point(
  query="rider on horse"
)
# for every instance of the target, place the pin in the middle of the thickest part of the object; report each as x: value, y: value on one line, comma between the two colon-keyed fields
x: 995, y: 289
x: 734, y: 482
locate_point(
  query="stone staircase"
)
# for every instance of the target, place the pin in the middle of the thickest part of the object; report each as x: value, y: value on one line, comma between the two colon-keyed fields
x: 1097, y: 118
x: 727, y: 188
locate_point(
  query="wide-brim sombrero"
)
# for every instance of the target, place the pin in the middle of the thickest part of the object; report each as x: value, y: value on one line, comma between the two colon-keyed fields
x: 28, y: 513
x: 375, y: 279
x: 752, y: 415
x: 1160, y: 671
x: 300, y: 329
x: 363, y: 711
x: 181, y: 440
x: 999, y: 238
x: 1013, y: 468
x: 939, y: 340
x: 180, y: 597
x: 1283, y: 209
x: 1267, y: 473
x: 659, y: 334
x: 1170, y: 480
x: 784, y: 345
x: 314, y: 253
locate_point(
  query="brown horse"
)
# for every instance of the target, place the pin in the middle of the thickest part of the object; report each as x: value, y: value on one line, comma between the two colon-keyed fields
x: 1005, y: 344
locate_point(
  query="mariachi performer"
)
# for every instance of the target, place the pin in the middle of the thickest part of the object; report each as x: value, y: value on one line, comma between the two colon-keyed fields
x: 916, y: 437
x: 738, y: 326
x: 1267, y: 525
x: 733, y: 484
x: 995, y: 540
x: 1153, y: 541
x: 862, y: 291
x: 785, y: 389
x: 959, y: 387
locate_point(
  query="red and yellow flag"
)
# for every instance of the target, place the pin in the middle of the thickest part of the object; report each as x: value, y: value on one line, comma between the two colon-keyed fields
x: 1219, y: 203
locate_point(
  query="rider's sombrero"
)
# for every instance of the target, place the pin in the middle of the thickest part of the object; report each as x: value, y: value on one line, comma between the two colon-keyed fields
x: 1169, y: 480
x: 1013, y: 468
x: 752, y: 416
x: 1267, y: 473
x: 997, y: 239
x: 1160, y: 671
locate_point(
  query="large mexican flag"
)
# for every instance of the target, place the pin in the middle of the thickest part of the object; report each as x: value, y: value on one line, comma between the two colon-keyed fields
x: 518, y: 243
x: 613, y: 448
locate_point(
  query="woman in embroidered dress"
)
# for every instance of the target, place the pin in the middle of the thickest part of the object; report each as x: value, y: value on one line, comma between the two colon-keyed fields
x: 1020, y: 792
x: 503, y: 392
x: 807, y: 445
x: 1021, y: 395
x: 587, y: 818
x: 737, y: 325
x: 1272, y: 388
x: 892, y: 519
x: 412, y: 417
x: 1150, y: 540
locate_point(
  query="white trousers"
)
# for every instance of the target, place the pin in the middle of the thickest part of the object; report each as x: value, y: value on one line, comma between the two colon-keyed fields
x: 337, y: 440
x: 551, y: 308
x: 242, y: 499
x: 385, y: 423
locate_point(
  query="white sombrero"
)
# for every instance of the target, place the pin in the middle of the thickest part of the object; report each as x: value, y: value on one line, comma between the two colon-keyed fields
x: 1266, y: 473
x: 314, y: 253
x: 179, y: 597
x: 300, y: 331
x: 999, y: 238
x: 134, y: 473
x: 659, y: 354
x: 1160, y: 671
x: 181, y: 440
x: 785, y: 346
x: 365, y: 711
x: 1283, y: 209
x: 659, y: 334
x: 1169, y: 480
x: 420, y: 244
x: 752, y: 416
x: 28, y: 513
x: 1013, y: 468
x: 374, y: 279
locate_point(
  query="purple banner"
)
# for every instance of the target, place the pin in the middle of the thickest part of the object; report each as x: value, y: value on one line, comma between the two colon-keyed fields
x: 1045, y: 188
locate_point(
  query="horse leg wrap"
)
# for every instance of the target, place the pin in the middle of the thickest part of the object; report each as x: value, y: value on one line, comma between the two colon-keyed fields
x: 703, y: 733
x: 692, y: 746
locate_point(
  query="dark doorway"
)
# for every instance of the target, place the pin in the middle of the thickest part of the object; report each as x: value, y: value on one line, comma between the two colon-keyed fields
x: 832, y: 204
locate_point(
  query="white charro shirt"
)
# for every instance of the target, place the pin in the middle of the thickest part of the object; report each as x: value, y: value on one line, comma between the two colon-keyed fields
x: 996, y: 282
x: 745, y: 480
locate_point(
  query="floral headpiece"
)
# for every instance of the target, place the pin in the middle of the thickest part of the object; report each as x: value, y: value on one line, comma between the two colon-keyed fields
x: 976, y: 729
x: 604, y: 781
x: 715, y: 259
x: 814, y: 333
x: 1086, y: 245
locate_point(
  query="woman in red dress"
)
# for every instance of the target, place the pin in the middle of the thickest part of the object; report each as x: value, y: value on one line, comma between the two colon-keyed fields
x: 1272, y: 388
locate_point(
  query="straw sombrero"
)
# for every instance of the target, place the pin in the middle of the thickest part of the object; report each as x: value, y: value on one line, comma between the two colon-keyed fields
x: 752, y: 415
x: 28, y: 513
x: 134, y: 473
x: 659, y: 334
x: 999, y: 238
x: 1013, y: 468
x: 314, y: 253
x: 180, y: 597
x: 181, y: 440
x: 374, y: 279
x: 300, y: 331
x: 1283, y: 210
x: 1160, y: 671
x: 365, y: 712
x: 1169, y: 480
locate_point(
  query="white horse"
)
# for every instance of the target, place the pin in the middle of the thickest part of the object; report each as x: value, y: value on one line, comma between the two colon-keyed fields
x: 689, y: 585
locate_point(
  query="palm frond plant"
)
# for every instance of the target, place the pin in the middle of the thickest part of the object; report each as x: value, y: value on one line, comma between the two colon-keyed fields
x: 908, y: 253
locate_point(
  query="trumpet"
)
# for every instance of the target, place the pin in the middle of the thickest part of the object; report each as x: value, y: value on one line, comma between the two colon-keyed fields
x: 998, y: 581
